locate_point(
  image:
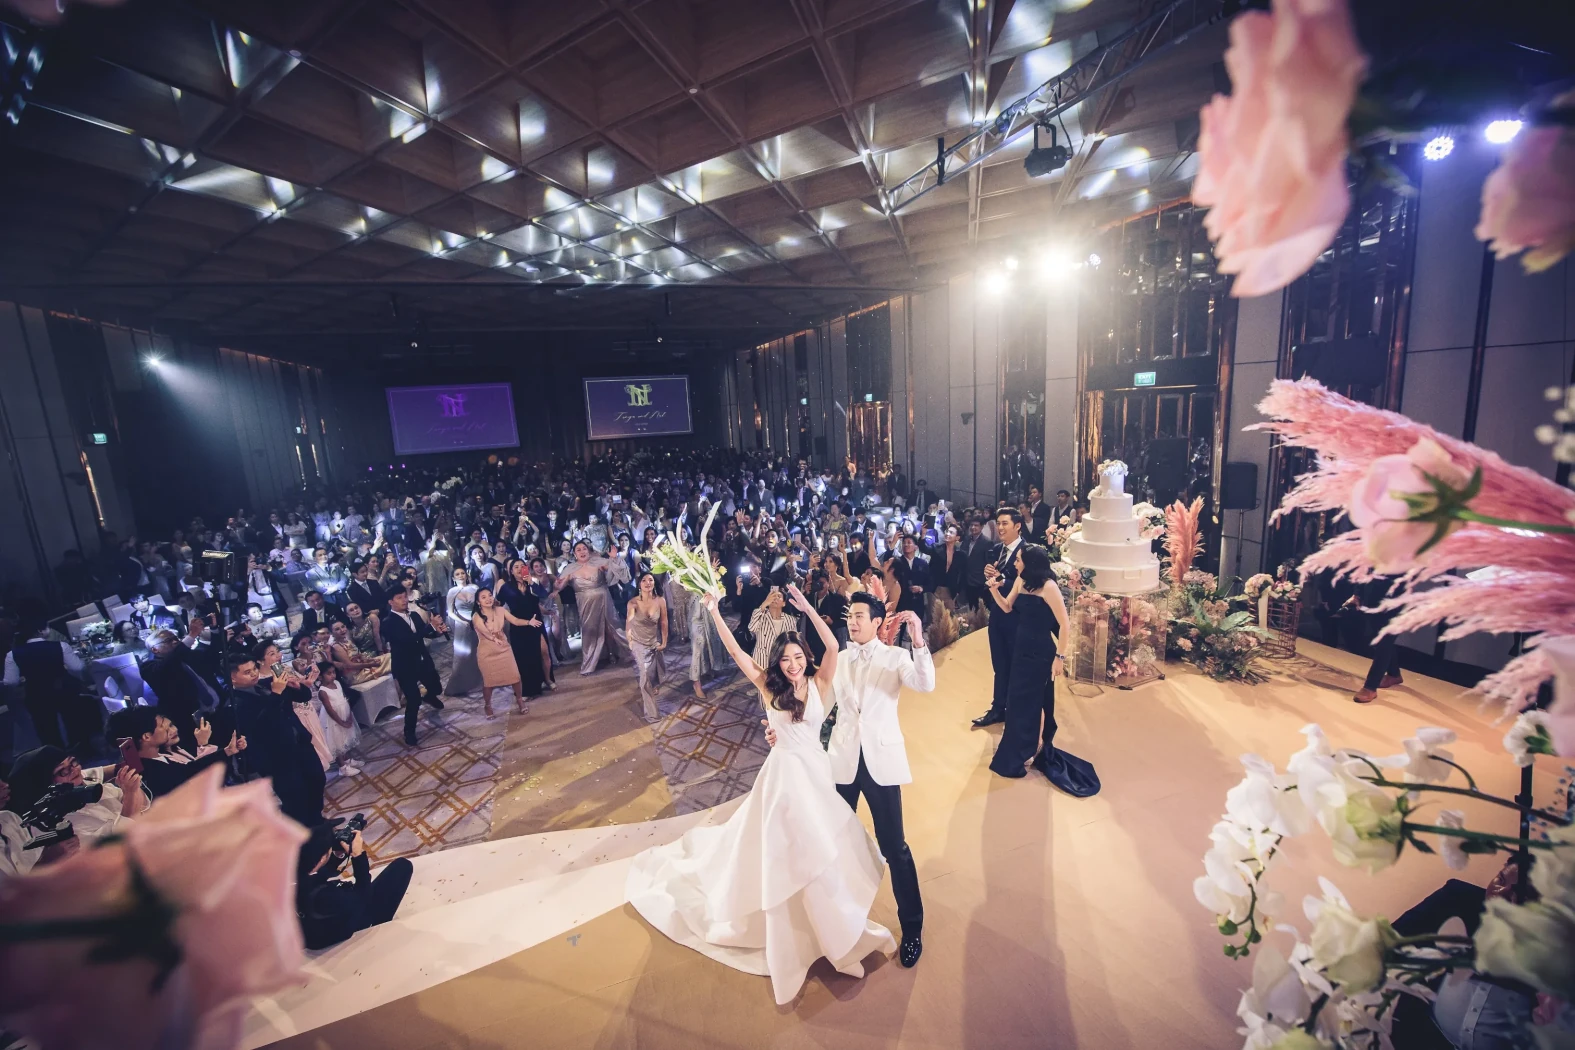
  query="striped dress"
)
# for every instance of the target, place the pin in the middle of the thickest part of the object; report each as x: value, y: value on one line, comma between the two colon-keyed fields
x: 767, y: 629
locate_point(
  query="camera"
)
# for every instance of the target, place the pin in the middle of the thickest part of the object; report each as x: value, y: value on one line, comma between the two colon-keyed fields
x: 346, y: 834
x: 48, y: 815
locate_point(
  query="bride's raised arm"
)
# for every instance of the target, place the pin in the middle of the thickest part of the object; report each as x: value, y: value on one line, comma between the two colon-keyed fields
x: 746, y: 664
x: 828, y: 663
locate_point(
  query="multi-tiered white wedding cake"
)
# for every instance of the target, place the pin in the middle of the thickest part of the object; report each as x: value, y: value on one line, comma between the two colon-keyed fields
x: 1109, y: 541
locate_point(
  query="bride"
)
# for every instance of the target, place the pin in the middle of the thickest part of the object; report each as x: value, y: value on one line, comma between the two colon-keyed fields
x: 790, y: 877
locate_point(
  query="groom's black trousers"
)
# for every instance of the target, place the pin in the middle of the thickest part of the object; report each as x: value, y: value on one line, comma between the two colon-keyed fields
x: 886, y: 808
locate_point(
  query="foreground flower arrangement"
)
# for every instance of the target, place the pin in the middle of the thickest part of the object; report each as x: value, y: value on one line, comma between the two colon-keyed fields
x: 159, y: 937
x: 1426, y: 505
x: 1338, y: 987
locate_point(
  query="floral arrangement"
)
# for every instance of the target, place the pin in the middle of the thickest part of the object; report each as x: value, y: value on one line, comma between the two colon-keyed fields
x: 1151, y: 521
x: 1339, y: 986
x: 947, y: 624
x: 169, y: 929
x: 451, y: 484
x: 1256, y: 584
x: 1183, y: 539
x: 1272, y: 154
x: 1224, y: 643
x: 96, y: 637
x: 1058, y: 533
x: 1112, y: 467
x: 1425, y: 504
x: 690, y: 567
x: 1279, y: 588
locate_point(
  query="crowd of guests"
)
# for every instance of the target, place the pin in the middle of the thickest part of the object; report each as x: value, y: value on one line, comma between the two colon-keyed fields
x: 515, y: 566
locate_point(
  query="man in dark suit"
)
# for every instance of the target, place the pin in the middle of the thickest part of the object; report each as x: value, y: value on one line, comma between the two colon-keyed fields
x: 405, y: 633
x: 1042, y: 513
x: 365, y: 591
x: 278, y: 744
x: 318, y: 613
x: 1003, y: 625
x: 912, y: 571
x: 172, y: 672
x: 976, y: 555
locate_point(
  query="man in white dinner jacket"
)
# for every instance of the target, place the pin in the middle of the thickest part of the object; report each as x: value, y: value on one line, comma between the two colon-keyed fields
x: 866, y: 748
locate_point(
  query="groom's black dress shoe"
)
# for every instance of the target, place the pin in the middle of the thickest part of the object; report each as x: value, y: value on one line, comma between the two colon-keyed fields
x: 989, y: 718
x: 435, y: 702
x: 909, y: 951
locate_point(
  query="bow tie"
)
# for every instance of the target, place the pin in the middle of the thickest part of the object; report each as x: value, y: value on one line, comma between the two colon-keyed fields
x: 862, y: 652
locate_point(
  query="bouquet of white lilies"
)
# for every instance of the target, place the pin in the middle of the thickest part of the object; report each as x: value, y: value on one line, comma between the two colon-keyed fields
x: 690, y: 567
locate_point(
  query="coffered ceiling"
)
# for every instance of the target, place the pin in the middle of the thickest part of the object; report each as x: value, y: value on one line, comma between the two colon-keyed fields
x: 714, y: 169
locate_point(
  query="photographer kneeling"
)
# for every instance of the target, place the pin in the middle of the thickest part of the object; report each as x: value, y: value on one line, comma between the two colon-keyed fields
x: 332, y: 908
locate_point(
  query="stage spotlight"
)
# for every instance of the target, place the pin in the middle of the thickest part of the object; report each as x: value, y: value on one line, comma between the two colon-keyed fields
x: 995, y: 282
x: 1501, y: 131
x: 1094, y: 259
x: 1010, y: 262
x: 1438, y: 147
x: 153, y: 360
x: 1042, y: 161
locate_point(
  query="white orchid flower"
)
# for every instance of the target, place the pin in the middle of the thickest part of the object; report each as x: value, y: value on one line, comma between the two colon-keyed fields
x: 1449, y: 847
x: 1425, y: 761
x: 1349, y: 949
x: 1529, y: 736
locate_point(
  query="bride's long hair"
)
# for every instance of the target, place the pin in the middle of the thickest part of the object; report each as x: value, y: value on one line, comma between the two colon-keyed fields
x: 778, y: 687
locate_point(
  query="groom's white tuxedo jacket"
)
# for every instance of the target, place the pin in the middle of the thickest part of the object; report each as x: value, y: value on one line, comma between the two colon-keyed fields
x: 866, y: 685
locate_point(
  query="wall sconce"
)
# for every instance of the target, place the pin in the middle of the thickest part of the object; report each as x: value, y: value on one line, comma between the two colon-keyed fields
x: 967, y: 417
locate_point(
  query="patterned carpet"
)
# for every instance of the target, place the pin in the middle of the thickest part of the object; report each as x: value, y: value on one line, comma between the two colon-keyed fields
x: 440, y: 794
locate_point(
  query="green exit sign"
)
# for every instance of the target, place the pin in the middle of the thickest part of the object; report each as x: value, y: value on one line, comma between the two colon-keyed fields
x: 1144, y: 378
x: 100, y: 438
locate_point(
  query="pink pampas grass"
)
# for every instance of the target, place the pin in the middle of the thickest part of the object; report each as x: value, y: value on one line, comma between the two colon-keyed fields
x: 1183, y: 542
x: 1531, y: 593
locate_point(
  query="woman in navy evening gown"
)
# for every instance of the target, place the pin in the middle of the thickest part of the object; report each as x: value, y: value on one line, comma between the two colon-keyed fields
x: 1029, y: 732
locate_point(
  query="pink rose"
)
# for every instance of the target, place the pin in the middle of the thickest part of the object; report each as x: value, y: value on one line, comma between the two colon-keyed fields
x: 1271, y: 155
x: 1377, y: 506
x: 224, y: 859
x: 1529, y: 199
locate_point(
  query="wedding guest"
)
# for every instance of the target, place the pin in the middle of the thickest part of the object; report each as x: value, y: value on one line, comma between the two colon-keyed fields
x: 330, y: 908
x: 366, y: 628
x: 464, y: 674
x: 1002, y: 628
x: 341, y: 731
x: 150, y: 739
x: 356, y: 665
x: 122, y: 801
x: 1034, y: 602
x: 173, y: 674
x: 495, y: 657
x: 588, y: 578
x: 525, y: 624
x: 707, y: 653
x: 412, y: 665
x: 647, y: 633
x: 278, y: 745
x: 318, y: 613
x: 49, y: 672
x: 545, y: 582
x: 769, y: 622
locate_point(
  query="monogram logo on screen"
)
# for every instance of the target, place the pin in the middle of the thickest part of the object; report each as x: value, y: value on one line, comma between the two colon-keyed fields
x: 639, y: 394
x: 453, y: 405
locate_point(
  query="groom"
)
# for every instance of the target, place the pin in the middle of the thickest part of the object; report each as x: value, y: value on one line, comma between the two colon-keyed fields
x: 866, y: 747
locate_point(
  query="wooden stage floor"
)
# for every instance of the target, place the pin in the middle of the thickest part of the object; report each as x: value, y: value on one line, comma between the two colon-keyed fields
x: 1050, y: 921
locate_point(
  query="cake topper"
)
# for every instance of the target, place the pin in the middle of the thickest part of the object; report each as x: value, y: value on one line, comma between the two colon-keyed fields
x: 1112, y: 474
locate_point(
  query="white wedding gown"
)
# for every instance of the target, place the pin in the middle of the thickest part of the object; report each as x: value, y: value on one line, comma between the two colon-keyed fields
x: 788, y: 879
